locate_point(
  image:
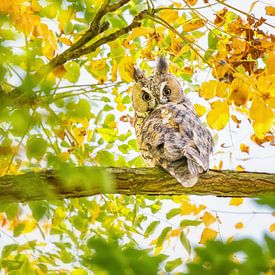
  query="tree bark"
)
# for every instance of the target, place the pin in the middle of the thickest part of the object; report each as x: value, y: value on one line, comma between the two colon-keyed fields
x: 129, y: 181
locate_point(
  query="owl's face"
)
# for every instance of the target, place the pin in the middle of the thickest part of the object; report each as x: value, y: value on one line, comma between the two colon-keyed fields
x: 160, y: 88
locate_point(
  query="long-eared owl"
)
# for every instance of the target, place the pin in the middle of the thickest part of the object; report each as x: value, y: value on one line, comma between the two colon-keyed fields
x: 169, y: 133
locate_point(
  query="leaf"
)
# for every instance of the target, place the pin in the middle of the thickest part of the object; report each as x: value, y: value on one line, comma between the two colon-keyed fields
x: 208, y: 234
x: 239, y: 92
x: 239, y: 168
x: 270, y: 61
x: 200, y: 109
x: 272, y: 228
x: 79, y: 271
x: 269, y: 10
x: 190, y: 223
x: 192, y: 2
x: 39, y: 209
x: 185, y: 242
x: 186, y: 208
x: 262, y: 116
x: 244, y: 148
x: 151, y: 228
x: 218, y: 117
x: 126, y: 68
x: 171, y: 265
x: 239, y: 225
x: 36, y: 147
x: 169, y: 15
x: 193, y: 25
x: 98, y: 69
x: 172, y: 213
x: 162, y: 236
x: 236, y: 201
x: 208, y: 219
x: 72, y: 71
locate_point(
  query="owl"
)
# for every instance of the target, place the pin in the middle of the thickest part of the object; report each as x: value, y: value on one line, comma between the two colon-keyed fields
x: 169, y: 133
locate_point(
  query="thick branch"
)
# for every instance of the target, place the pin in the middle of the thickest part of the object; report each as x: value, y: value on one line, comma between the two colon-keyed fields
x: 129, y: 181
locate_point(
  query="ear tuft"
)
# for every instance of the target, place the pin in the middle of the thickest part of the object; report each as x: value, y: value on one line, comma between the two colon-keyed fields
x: 138, y: 74
x: 162, y: 65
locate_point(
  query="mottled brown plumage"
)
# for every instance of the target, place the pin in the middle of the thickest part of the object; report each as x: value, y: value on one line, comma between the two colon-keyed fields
x: 169, y: 133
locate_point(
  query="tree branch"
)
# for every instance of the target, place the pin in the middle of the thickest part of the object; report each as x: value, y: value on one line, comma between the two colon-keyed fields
x: 130, y: 181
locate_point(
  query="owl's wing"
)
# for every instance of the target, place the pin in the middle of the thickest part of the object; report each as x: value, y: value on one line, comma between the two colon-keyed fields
x: 174, y: 137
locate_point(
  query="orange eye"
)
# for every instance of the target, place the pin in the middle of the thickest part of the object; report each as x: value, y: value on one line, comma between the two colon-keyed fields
x: 146, y: 97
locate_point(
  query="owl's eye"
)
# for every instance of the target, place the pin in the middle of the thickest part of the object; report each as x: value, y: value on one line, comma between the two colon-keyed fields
x: 146, y: 97
x: 166, y: 91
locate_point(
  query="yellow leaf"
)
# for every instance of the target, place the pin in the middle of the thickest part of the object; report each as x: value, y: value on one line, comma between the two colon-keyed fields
x: 239, y: 225
x: 191, y: 2
x: 208, y: 234
x: 174, y: 233
x: 208, y: 218
x: 141, y: 31
x: 262, y: 116
x: 270, y: 61
x: 269, y: 10
x: 239, y: 92
x: 208, y: 89
x: 29, y: 225
x: 272, y: 227
x: 218, y: 117
x: 244, y: 148
x: 64, y: 17
x: 114, y: 71
x: 236, y: 201
x: 98, y: 69
x: 35, y: 6
x: 193, y: 25
x: 235, y: 119
x: 200, y: 109
x: 186, y: 208
x: 65, y: 41
x: 220, y: 165
x: 222, y: 89
x: 239, y: 168
x: 198, y: 209
x: 126, y: 68
x: 169, y: 15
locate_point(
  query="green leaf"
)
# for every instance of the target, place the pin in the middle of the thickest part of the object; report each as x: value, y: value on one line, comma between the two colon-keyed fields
x: 185, y: 242
x: 151, y: 228
x: 124, y: 148
x: 20, y: 121
x: 108, y: 134
x: 36, y: 147
x: 271, y: 245
x: 190, y: 223
x: 212, y: 40
x: 18, y: 229
x: 39, y: 209
x: 172, y: 213
x: 72, y: 71
x: 171, y: 265
x: 26, y: 267
x: 266, y: 200
x: 155, y: 207
x: 163, y: 235
x: 66, y: 257
x: 8, y: 249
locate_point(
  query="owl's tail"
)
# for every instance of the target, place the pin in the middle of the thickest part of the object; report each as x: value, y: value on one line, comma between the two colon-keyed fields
x: 180, y: 171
